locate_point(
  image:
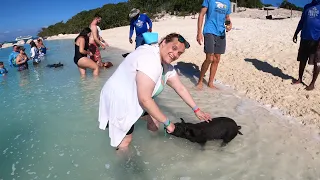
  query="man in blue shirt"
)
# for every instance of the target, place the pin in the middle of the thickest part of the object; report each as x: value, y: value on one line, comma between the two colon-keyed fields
x: 139, y: 23
x: 309, y: 50
x: 214, y: 32
x: 13, y: 55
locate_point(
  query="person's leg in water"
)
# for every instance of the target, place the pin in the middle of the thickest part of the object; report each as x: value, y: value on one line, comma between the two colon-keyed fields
x: 152, y: 124
x: 82, y: 71
x: 123, y: 147
x: 84, y: 63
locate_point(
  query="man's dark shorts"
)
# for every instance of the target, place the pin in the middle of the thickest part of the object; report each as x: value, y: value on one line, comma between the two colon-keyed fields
x: 309, y: 51
x: 214, y: 44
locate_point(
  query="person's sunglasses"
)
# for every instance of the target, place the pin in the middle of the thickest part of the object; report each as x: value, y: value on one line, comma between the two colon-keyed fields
x: 184, y: 41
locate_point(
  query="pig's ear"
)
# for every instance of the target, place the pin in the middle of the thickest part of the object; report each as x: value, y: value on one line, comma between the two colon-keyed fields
x: 182, y: 121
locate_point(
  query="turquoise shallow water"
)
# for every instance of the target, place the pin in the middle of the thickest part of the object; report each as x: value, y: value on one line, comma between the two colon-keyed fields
x: 49, y: 130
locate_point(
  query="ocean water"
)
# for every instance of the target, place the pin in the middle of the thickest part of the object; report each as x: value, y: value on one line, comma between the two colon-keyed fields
x: 49, y: 130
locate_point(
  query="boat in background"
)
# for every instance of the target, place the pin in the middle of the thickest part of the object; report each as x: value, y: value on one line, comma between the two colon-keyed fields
x: 23, y: 38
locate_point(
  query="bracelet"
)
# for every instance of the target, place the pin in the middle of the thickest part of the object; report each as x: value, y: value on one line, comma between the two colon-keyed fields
x: 195, y: 111
x: 166, y: 123
x: 195, y: 107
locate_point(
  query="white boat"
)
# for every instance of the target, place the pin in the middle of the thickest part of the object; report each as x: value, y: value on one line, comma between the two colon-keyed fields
x: 23, y: 38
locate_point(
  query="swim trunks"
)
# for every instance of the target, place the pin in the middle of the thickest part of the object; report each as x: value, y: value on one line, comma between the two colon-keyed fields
x: 94, y: 49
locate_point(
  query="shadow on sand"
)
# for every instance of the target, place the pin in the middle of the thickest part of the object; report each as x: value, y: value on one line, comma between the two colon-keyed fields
x: 267, y: 68
x: 189, y: 70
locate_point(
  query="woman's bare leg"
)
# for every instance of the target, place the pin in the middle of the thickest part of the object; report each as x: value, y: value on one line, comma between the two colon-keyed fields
x: 85, y: 62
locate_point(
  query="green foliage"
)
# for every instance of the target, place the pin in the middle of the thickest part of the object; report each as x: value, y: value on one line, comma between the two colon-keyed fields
x: 115, y: 15
x: 249, y: 3
x: 267, y: 5
x: 287, y: 5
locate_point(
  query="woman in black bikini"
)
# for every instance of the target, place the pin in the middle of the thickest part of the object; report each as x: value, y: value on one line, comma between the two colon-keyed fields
x: 81, y: 52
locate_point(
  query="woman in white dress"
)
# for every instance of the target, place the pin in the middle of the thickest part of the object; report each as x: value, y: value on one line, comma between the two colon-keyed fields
x: 138, y: 79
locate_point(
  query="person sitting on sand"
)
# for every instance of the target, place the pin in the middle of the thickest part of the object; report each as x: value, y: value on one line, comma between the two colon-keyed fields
x: 81, y: 51
x: 22, y: 59
x: 138, y: 22
x: 309, y: 50
x: 214, y: 33
x: 94, y: 40
x: 13, y: 55
x: 3, y: 70
x: 131, y: 89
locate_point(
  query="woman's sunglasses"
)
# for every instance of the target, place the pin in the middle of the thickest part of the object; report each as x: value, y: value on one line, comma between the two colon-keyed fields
x: 182, y: 40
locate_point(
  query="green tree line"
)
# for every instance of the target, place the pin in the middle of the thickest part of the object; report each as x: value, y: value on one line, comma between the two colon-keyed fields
x: 115, y: 15
x: 287, y: 5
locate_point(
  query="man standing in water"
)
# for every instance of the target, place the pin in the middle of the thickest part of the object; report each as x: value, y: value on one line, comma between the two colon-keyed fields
x: 309, y: 50
x: 139, y: 23
x: 94, y: 40
x: 13, y: 55
x: 217, y: 22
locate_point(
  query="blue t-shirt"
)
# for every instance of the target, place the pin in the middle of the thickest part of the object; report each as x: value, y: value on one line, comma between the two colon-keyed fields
x: 216, y: 16
x: 12, y: 56
x: 140, y: 24
x: 310, y: 22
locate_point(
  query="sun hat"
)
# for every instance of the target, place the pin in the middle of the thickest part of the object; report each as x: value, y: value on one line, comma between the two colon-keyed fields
x: 134, y: 12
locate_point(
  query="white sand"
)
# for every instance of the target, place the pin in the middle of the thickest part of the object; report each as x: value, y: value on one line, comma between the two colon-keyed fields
x: 259, y: 61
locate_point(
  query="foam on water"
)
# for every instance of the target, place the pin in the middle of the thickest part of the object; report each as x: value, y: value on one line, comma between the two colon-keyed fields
x: 49, y: 130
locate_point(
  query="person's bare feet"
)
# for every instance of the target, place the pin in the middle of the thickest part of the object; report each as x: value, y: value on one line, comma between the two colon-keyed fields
x: 199, y: 86
x: 310, y: 87
x: 210, y: 85
x: 296, y: 82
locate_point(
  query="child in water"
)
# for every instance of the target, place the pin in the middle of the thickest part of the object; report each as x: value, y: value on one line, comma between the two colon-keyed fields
x: 3, y: 70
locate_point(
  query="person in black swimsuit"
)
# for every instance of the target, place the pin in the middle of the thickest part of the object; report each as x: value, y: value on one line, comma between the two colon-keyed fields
x: 81, y: 52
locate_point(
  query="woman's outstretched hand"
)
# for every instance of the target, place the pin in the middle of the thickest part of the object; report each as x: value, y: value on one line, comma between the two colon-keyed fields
x: 203, y: 116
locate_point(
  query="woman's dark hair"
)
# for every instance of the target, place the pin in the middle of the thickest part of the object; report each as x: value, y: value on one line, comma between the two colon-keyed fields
x: 84, y: 33
x: 170, y: 37
x: 33, y: 44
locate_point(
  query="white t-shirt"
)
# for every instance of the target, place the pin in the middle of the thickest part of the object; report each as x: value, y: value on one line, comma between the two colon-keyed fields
x: 99, y: 30
x: 119, y: 103
x: 34, y: 52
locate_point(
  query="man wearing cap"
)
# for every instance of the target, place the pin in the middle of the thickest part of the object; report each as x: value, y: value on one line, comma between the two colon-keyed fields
x: 139, y: 23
